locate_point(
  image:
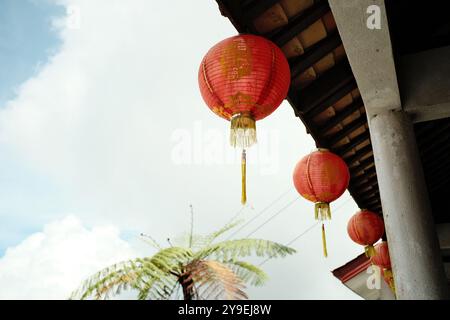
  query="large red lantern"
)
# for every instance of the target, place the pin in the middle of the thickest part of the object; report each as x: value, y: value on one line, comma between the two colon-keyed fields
x: 381, y: 259
x: 321, y: 177
x: 365, y: 228
x: 244, y: 79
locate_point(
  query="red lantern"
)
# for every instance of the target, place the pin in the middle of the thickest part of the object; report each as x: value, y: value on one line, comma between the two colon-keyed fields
x: 381, y: 259
x: 244, y: 79
x: 381, y: 256
x: 321, y: 177
x: 365, y: 228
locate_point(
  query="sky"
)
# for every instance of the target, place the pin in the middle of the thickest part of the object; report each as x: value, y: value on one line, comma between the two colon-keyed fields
x: 104, y: 135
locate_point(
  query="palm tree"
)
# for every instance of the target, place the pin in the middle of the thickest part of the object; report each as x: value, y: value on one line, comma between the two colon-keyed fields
x: 204, y: 268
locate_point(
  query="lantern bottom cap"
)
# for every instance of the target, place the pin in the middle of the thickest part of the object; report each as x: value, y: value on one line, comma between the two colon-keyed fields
x: 243, y: 130
x: 322, y: 211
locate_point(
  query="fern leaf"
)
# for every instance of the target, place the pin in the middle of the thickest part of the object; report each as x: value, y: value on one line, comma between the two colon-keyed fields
x: 231, y: 249
x: 247, y: 272
x: 215, y: 280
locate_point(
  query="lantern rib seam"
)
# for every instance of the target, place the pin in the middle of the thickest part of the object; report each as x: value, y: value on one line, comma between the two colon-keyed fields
x: 209, y: 85
x: 269, y: 80
x: 355, y: 228
x: 308, y: 177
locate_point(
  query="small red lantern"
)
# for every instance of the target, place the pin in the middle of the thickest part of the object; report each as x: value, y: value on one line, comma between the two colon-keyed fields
x: 321, y: 177
x: 244, y: 79
x: 381, y: 256
x: 381, y: 259
x: 365, y: 228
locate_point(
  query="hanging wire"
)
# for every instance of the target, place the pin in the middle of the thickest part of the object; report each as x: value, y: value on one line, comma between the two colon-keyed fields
x: 273, y: 217
x: 306, y: 231
x: 237, y: 214
x: 259, y: 214
x: 294, y: 239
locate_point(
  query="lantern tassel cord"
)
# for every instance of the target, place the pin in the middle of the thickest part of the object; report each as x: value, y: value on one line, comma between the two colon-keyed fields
x: 324, y: 242
x: 244, y: 177
x: 369, y: 251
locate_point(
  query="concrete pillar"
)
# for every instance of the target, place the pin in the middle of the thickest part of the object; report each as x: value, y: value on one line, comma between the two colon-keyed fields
x: 413, y: 244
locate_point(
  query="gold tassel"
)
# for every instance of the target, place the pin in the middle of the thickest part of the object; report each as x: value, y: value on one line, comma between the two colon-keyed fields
x: 243, y: 130
x: 324, y: 242
x: 244, y: 177
x: 322, y: 211
x: 390, y: 276
x: 369, y: 251
x: 243, y: 135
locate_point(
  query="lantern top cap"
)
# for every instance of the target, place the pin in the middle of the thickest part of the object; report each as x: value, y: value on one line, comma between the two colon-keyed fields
x: 322, y: 149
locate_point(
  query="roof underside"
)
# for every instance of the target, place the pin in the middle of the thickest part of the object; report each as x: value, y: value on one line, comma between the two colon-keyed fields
x: 324, y: 93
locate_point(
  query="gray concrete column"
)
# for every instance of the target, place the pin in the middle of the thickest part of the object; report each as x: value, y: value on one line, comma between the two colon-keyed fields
x: 413, y: 244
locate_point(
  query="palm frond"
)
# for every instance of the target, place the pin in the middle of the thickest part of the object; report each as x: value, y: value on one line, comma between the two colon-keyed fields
x: 150, y: 276
x: 149, y: 239
x: 213, y: 236
x: 201, y: 241
x: 231, y: 249
x: 248, y: 272
x: 214, y: 280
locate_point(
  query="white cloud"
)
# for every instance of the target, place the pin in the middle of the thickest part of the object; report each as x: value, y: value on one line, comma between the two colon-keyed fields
x: 99, y: 117
x: 52, y: 263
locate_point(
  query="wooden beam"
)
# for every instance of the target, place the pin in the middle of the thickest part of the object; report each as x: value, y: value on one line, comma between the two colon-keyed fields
x: 438, y: 128
x: 353, y: 143
x: 232, y: 10
x: 364, y: 151
x: 372, y: 182
x: 365, y: 182
x: 375, y: 203
x: 352, y: 126
x: 436, y: 157
x: 435, y: 139
x: 349, y: 110
x: 355, y: 195
x: 314, y: 54
x: 333, y: 98
x: 422, y: 128
x: 310, y: 128
x: 442, y: 182
x: 253, y: 9
x: 368, y: 173
x: 299, y: 23
x: 363, y: 164
x: 437, y: 169
x: 370, y: 196
x: 323, y: 89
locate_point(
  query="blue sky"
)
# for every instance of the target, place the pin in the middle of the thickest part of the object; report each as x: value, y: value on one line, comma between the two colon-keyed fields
x: 27, y: 39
